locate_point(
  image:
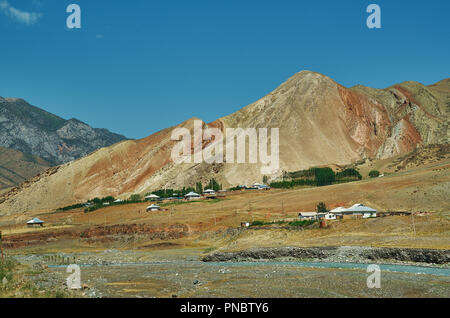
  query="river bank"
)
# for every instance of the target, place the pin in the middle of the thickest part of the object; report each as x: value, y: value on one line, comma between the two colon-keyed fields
x: 182, y: 272
x: 345, y: 254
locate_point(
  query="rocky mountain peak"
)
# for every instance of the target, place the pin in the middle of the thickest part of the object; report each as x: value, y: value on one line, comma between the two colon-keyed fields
x: 34, y: 131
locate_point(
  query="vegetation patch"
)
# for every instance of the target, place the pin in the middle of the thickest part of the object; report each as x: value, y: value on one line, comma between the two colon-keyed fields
x: 316, y: 177
x: 303, y: 223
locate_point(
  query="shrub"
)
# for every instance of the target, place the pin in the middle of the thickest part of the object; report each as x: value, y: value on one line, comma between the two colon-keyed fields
x: 301, y: 223
x: 72, y: 207
x: 374, y: 173
x: 257, y: 223
x: 6, y: 269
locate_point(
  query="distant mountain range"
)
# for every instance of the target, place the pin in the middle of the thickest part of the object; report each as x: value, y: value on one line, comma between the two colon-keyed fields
x: 320, y: 123
x: 33, y: 131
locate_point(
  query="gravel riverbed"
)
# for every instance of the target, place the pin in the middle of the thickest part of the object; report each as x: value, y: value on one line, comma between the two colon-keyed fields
x: 183, y: 273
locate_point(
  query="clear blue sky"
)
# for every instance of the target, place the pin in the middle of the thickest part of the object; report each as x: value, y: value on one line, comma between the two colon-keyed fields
x: 139, y: 66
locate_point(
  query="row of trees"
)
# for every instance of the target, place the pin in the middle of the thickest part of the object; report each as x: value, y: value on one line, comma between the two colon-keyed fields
x: 213, y: 185
x: 316, y: 177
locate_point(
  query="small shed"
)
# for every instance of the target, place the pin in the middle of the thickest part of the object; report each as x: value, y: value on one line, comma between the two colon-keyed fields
x: 36, y: 222
x: 153, y: 208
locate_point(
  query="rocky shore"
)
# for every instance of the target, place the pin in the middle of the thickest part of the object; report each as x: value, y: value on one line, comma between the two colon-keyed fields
x: 352, y: 254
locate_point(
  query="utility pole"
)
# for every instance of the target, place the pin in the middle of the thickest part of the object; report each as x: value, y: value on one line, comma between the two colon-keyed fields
x: 414, y: 224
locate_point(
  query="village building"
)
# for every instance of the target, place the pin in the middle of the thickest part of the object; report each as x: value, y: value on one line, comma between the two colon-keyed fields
x: 209, y: 192
x: 327, y: 216
x: 36, y: 222
x: 308, y: 215
x: 153, y: 208
x: 192, y: 196
x: 152, y: 197
x: 361, y: 209
x: 356, y: 211
x: 338, y: 212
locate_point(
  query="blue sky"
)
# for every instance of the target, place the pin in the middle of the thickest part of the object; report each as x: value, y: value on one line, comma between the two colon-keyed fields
x: 139, y: 66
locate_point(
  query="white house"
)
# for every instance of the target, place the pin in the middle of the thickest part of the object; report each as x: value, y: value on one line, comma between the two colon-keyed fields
x: 118, y: 201
x: 152, y: 197
x: 192, y: 196
x: 308, y: 215
x: 153, y: 208
x: 327, y: 216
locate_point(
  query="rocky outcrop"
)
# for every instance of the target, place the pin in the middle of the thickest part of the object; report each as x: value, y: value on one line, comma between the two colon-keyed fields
x: 272, y: 253
x: 336, y: 254
x: 409, y: 255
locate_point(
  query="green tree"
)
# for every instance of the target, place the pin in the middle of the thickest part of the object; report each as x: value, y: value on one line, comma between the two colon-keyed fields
x: 108, y: 199
x: 350, y: 173
x: 199, y: 188
x: 135, y: 198
x: 324, y: 176
x: 214, y: 185
x: 321, y: 208
x: 374, y: 173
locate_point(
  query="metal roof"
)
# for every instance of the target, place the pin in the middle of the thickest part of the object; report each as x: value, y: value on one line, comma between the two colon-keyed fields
x: 35, y: 221
x: 192, y: 194
x: 359, y: 208
x: 308, y: 213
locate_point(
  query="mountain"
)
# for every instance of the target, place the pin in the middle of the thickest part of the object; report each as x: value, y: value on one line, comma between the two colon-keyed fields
x: 33, y: 131
x: 320, y: 122
x: 16, y: 167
